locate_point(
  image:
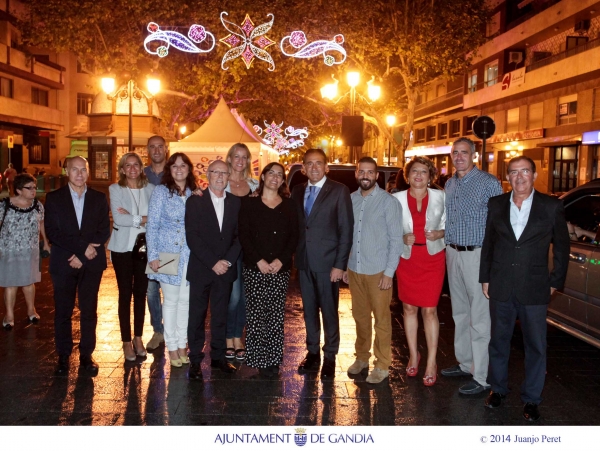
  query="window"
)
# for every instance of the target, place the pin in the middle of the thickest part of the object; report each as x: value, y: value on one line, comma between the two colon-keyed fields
x: 431, y: 133
x: 567, y: 110
x: 512, y: 120
x: 39, y: 152
x: 536, y: 116
x: 6, y: 87
x: 84, y: 103
x: 493, y: 26
x: 491, y: 73
x: 576, y: 41
x: 440, y: 90
x: 455, y: 128
x: 39, y: 96
x: 469, y: 124
x: 583, y: 213
x: 443, y: 130
x: 564, y: 174
x: 420, y: 135
x: 472, y: 80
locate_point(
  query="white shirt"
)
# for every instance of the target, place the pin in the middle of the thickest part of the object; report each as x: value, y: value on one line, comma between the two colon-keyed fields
x: 319, y: 185
x: 219, y: 204
x: 519, y: 217
x: 78, y: 202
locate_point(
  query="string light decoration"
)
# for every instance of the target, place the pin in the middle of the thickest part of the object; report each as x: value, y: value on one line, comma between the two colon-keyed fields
x: 298, y: 40
x: 273, y: 136
x: 197, y: 34
x: 247, y: 41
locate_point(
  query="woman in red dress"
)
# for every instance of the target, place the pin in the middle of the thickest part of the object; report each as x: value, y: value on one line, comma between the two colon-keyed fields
x: 422, y: 265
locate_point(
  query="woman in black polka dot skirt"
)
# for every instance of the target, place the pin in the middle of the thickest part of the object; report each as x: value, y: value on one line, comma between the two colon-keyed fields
x: 268, y: 231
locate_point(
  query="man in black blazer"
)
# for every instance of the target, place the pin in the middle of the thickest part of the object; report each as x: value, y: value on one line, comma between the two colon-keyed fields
x: 211, y: 227
x: 77, y: 225
x: 326, y: 225
x: 515, y: 277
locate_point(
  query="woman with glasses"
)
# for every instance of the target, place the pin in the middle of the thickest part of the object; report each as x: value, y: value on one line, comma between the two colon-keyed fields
x: 268, y: 231
x: 129, y: 199
x: 240, y: 184
x: 166, y: 233
x: 21, y: 223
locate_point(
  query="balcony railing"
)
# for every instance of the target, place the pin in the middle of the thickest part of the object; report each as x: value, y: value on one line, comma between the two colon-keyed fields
x: 455, y: 93
x: 483, y: 84
x: 561, y: 56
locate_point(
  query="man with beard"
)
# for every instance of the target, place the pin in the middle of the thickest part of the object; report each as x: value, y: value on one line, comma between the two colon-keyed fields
x: 157, y: 152
x: 376, y: 249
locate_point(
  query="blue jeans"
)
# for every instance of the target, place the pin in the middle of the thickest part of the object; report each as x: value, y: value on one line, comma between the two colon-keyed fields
x: 154, y: 306
x: 236, y: 313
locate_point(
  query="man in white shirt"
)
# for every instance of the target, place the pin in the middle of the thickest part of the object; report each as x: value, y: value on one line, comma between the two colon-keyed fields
x: 211, y: 225
x: 515, y: 277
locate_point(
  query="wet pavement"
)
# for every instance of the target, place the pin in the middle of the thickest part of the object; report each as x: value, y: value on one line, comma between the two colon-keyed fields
x: 150, y: 392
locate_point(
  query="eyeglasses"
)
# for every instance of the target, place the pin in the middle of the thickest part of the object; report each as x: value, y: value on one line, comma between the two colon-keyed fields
x: 219, y: 173
x: 31, y: 188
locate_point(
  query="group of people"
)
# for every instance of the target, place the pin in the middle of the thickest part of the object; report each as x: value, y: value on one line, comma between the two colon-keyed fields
x: 231, y: 247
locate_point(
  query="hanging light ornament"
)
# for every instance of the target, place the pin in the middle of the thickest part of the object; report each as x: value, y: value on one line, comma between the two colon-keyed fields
x: 197, y: 34
x: 297, y: 40
x: 247, y: 41
x: 294, y: 137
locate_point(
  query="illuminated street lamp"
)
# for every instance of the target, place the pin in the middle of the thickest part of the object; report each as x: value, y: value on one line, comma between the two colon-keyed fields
x: 131, y: 91
x: 390, y: 120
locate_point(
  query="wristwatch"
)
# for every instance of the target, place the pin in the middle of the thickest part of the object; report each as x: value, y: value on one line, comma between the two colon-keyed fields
x: 228, y: 263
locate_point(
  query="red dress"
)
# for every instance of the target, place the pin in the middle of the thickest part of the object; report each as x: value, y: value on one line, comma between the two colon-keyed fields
x: 420, y: 278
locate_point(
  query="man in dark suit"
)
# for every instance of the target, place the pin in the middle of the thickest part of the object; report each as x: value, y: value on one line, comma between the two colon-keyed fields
x: 326, y: 225
x: 211, y: 226
x: 77, y: 225
x: 515, y: 277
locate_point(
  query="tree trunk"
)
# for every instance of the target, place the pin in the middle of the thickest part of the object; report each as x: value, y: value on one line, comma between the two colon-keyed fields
x: 411, y: 96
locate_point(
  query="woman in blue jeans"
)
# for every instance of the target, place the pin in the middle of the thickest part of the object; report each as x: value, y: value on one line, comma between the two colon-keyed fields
x: 241, y: 184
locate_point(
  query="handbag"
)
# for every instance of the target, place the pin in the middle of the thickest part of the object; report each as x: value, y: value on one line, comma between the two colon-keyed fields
x: 139, y: 251
x: 169, y: 264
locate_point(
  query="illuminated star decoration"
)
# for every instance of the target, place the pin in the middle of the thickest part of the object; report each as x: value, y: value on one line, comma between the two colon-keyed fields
x: 294, y: 137
x: 298, y: 41
x: 247, y: 41
x: 196, y: 35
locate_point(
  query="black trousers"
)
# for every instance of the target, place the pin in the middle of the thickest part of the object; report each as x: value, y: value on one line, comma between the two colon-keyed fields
x: 131, y: 280
x: 320, y: 294
x: 534, y: 328
x: 84, y: 285
x: 217, y: 292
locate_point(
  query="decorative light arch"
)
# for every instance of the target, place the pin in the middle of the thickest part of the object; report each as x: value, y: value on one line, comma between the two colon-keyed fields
x: 197, y: 34
x: 297, y: 40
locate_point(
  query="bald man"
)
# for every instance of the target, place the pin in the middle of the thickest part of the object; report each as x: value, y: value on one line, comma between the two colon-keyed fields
x: 211, y: 226
x: 77, y: 225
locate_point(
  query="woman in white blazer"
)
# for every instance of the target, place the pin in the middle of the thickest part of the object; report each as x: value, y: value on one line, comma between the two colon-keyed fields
x: 423, y: 263
x: 129, y: 199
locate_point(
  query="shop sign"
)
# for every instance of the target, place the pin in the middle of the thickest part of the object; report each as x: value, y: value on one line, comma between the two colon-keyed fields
x: 518, y: 136
x: 512, y: 79
x: 591, y: 137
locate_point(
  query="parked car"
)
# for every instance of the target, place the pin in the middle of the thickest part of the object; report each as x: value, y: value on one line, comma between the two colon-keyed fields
x: 576, y: 308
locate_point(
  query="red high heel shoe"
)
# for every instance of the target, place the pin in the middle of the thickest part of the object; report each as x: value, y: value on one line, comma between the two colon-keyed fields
x: 412, y: 371
x: 429, y: 381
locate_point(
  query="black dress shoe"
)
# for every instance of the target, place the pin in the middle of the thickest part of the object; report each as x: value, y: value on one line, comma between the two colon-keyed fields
x: 310, y: 363
x: 328, y: 369
x: 89, y: 365
x: 531, y: 412
x: 62, y: 369
x: 223, y: 365
x: 195, y: 372
x: 494, y: 400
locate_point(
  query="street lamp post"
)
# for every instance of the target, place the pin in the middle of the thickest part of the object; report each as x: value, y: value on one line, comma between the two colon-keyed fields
x: 330, y: 91
x: 391, y: 120
x: 130, y: 92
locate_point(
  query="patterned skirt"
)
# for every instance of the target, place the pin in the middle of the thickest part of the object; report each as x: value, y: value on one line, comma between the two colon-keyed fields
x: 265, y: 305
x: 19, y: 268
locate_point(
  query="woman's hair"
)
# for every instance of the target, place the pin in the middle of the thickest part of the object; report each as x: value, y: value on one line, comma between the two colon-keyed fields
x: 142, y: 179
x: 167, y: 178
x: 283, y: 190
x: 424, y: 161
x: 21, y: 180
x: 229, y: 157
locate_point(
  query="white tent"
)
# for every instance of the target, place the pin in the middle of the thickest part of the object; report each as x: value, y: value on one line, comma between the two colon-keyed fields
x: 212, y: 141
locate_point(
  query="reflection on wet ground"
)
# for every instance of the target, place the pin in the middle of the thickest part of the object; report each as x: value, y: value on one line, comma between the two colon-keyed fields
x: 151, y: 392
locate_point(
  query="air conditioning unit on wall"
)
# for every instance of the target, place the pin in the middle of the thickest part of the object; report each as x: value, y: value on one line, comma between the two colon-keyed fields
x: 515, y: 57
x: 582, y: 26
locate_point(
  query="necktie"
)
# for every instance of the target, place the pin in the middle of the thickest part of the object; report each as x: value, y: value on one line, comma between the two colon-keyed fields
x: 312, y: 195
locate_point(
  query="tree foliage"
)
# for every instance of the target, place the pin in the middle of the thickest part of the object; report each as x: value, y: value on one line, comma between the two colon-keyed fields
x: 404, y: 44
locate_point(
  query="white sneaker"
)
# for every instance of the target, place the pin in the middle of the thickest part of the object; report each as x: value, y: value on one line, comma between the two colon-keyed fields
x: 357, y: 367
x: 377, y: 375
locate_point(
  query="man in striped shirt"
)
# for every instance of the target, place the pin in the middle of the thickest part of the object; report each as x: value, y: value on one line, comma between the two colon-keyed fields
x: 467, y: 195
x: 376, y: 249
